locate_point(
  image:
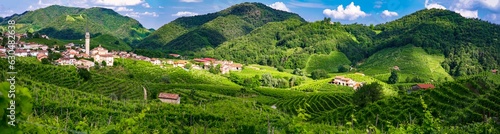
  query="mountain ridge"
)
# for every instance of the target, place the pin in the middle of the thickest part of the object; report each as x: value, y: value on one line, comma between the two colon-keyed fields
x: 238, y: 20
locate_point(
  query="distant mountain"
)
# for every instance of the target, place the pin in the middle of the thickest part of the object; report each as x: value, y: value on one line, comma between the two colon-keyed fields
x: 188, y: 34
x: 70, y: 23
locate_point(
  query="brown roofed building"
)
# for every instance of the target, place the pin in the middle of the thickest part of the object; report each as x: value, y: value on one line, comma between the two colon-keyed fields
x: 422, y: 86
x: 169, y: 98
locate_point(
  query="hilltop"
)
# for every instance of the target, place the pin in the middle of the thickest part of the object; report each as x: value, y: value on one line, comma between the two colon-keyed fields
x: 190, y: 34
x: 70, y: 23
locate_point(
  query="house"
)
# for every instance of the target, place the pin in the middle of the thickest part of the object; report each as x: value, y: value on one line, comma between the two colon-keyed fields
x: 169, y: 98
x: 98, y: 50
x: 235, y: 67
x: 155, y: 61
x: 3, y: 55
x: 108, y: 58
x: 422, y: 86
x: 21, y: 52
x: 44, y: 47
x: 2, y: 49
x: 170, y: 62
x: 175, y: 55
x: 69, y: 45
x: 33, y: 53
x: 180, y: 63
x: 494, y: 71
x: 66, y: 61
x: 396, y: 68
x: 224, y: 69
x: 41, y: 56
x: 343, y: 81
x: 84, y: 63
x: 43, y: 51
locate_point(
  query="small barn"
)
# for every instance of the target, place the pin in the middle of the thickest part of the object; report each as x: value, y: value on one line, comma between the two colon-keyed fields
x: 169, y: 98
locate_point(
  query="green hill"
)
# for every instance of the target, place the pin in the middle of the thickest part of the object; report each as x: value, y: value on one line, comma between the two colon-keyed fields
x: 70, y: 23
x: 288, y: 43
x: 190, y: 34
x: 469, y: 46
x: 412, y: 61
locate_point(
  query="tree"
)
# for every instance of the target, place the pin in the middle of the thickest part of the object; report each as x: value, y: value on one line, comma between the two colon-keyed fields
x: 104, y: 63
x: 393, y: 79
x: 319, y: 74
x: 96, y: 65
x: 368, y: 94
x: 54, y: 56
x: 84, y: 74
x: 45, y: 61
x: 22, y: 107
x: 268, y: 80
x: 281, y: 68
x: 343, y: 68
x: 188, y: 66
x: 299, y: 72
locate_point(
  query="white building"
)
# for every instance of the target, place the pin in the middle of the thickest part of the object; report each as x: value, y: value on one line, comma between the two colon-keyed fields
x: 108, y: 58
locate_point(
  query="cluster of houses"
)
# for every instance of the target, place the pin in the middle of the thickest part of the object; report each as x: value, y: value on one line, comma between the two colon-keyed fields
x: 207, y: 63
x: 24, y: 49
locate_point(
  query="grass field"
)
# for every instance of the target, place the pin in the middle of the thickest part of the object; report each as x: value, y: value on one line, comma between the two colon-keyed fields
x: 412, y: 62
x: 330, y: 62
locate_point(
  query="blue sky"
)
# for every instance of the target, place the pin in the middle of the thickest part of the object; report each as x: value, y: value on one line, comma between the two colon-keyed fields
x: 155, y: 13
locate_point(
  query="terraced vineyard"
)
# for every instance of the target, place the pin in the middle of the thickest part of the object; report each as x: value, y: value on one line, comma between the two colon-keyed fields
x: 314, y: 104
x: 454, y: 103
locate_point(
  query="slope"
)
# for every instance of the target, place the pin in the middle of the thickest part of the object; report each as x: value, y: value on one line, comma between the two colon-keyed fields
x: 189, y: 34
x: 70, y: 23
x: 470, y: 46
x: 288, y: 43
x: 412, y: 62
x: 330, y: 62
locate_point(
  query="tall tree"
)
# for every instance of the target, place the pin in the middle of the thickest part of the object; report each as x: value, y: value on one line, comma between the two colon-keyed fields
x: 393, y: 78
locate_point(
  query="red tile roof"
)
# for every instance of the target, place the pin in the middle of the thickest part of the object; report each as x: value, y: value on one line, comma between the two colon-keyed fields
x: 494, y: 71
x: 168, y: 96
x: 425, y: 86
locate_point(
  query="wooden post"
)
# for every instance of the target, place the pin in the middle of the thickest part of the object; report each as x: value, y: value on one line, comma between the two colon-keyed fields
x: 376, y: 121
x: 109, y: 121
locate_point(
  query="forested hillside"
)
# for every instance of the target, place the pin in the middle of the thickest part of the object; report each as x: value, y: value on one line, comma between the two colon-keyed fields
x: 71, y: 23
x: 470, y: 46
x: 190, y: 34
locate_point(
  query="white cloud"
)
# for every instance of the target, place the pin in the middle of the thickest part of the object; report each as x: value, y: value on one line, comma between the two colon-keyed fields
x: 160, y: 7
x: 6, y: 13
x: 433, y: 5
x: 492, y: 4
x: 467, y: 13
x: 191, y: 0
x: 387, y: 13
x: 351, y: 12
x: 184, y: 13
x: 138, y: 14
x: 279, y: 6
x: 306, y: 4
x: 123, y: 9
x: 118, y: 2
x: 378, y: 4
x: 146, y: 5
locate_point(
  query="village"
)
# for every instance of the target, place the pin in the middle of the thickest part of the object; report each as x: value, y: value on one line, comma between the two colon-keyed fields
x: 81, y: 56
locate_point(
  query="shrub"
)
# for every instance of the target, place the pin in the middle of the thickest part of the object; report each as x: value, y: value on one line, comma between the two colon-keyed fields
x: 319, y: 74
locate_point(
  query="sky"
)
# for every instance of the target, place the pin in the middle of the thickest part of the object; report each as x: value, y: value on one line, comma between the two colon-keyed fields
x: 155, y: 13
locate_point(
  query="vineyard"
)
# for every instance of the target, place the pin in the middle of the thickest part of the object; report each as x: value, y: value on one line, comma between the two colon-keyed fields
x: 314, y: 103
x: 462, y: 102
